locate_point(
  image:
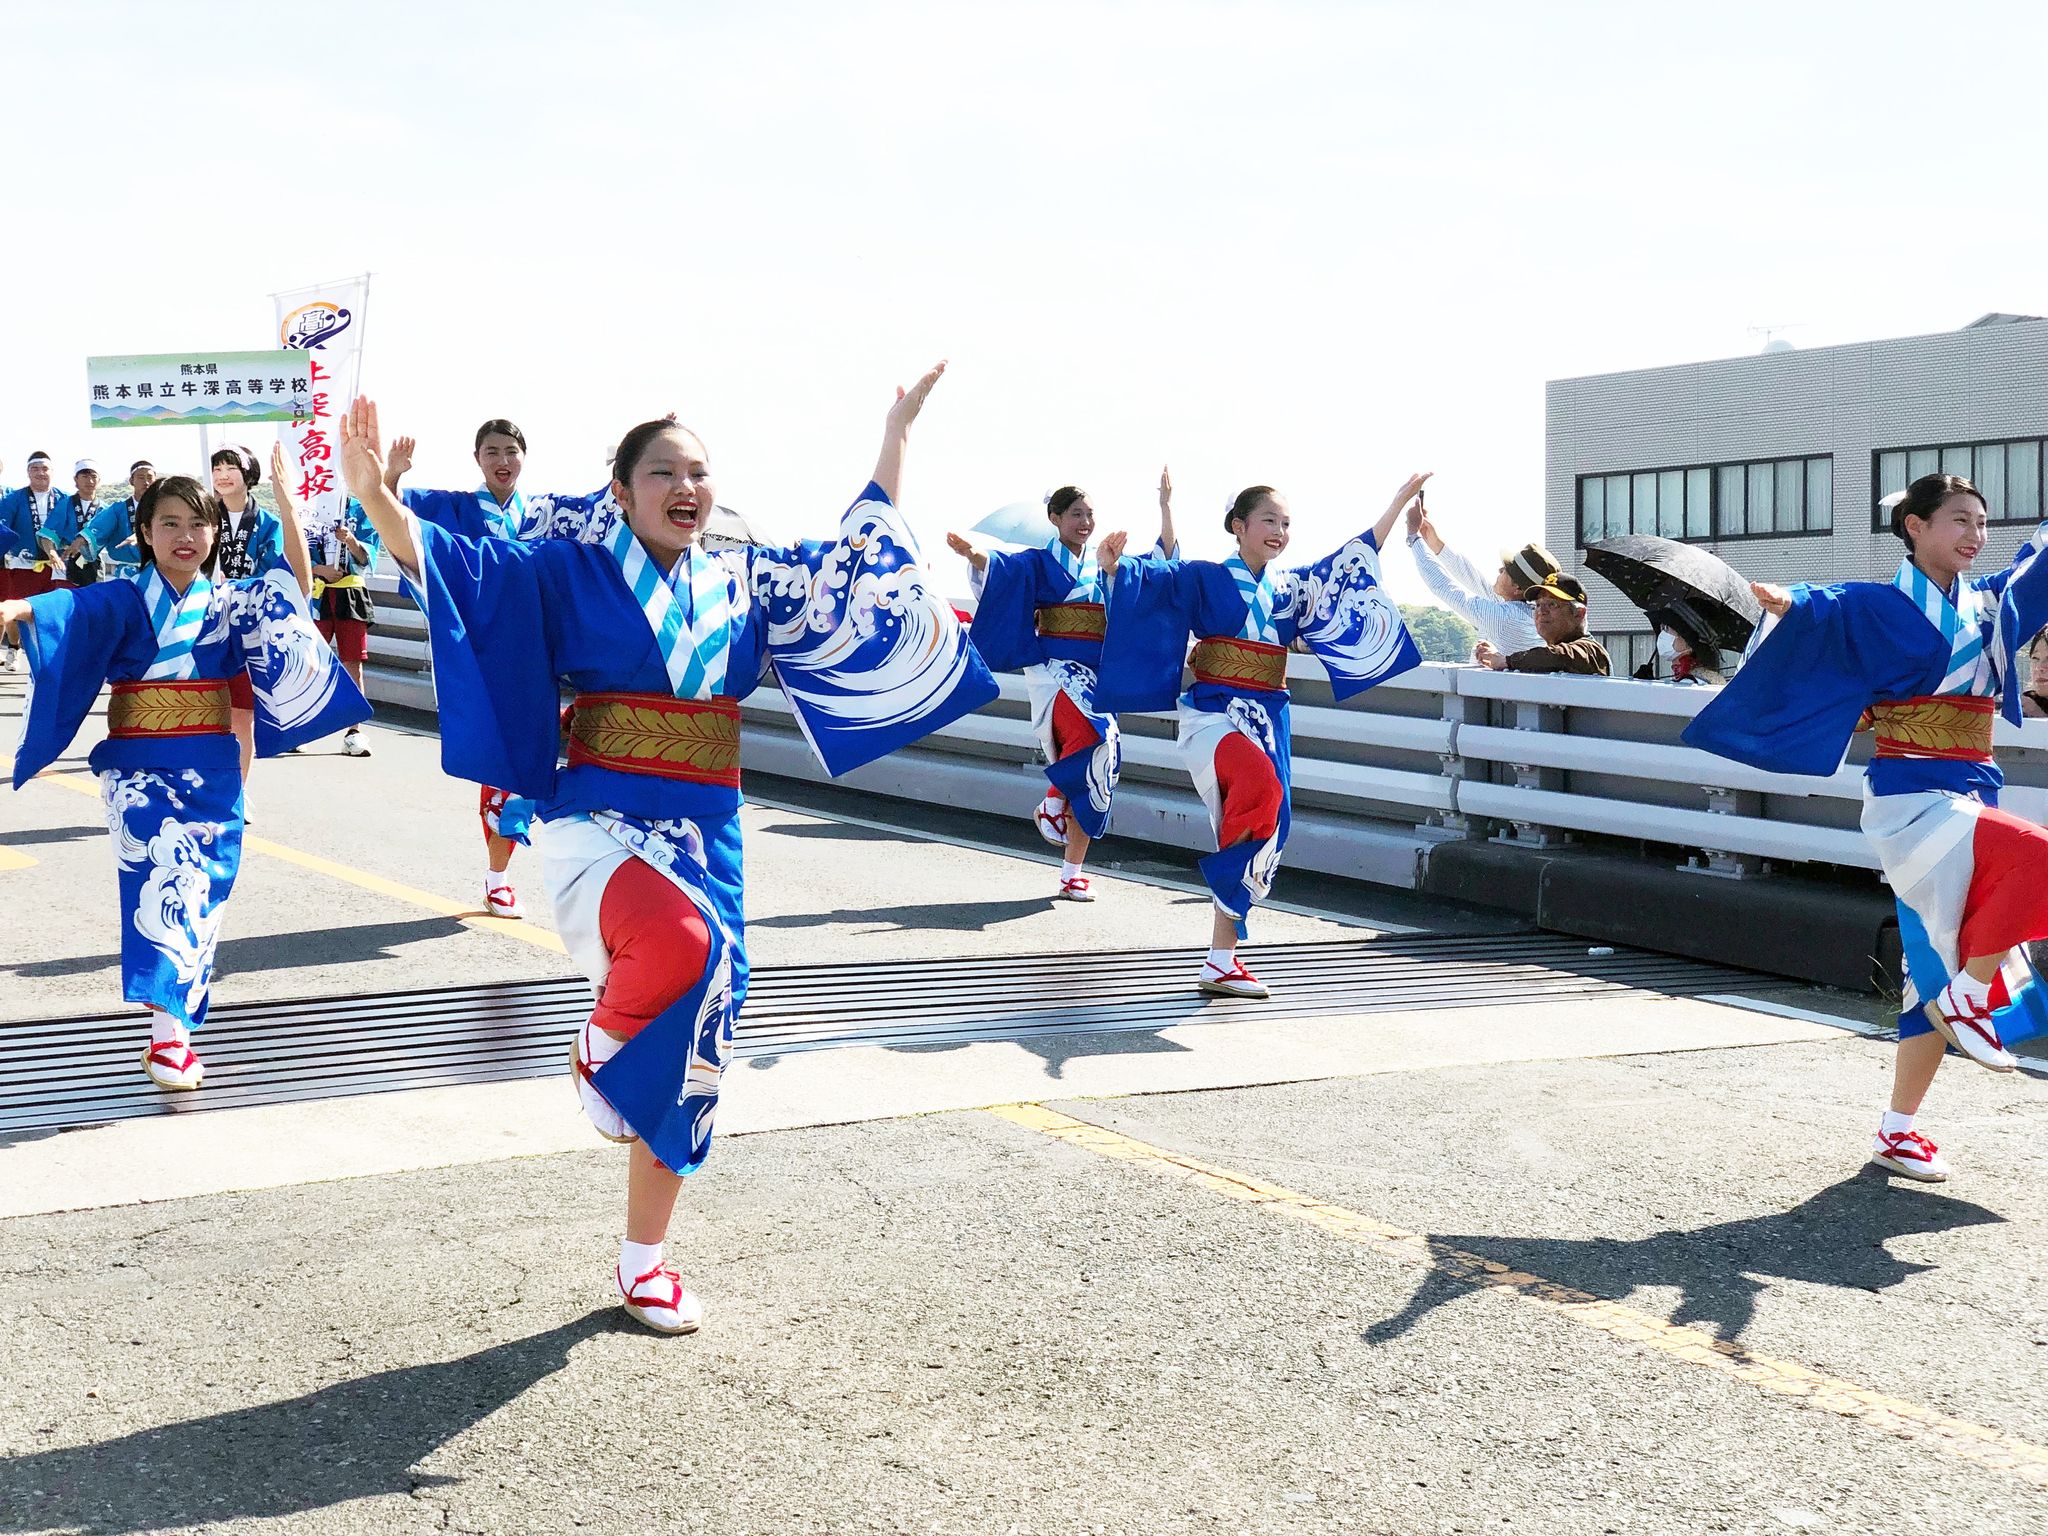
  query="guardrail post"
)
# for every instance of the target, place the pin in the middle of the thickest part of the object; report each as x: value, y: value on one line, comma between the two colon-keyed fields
x: 1454, y: 825
x: 1538, y: 719
x: 1719, y: 862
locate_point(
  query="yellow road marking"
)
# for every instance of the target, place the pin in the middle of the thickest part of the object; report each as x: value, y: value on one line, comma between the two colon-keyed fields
x: 11, y: 858
x: 530, y: 933
x: 1783, y: 1378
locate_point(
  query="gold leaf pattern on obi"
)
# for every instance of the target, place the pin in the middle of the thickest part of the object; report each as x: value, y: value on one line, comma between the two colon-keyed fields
x: 1935, y: 725
x: 164, y: 710
x: 1229, y: 662
x: 706, y: 741
x: 1077, y: 621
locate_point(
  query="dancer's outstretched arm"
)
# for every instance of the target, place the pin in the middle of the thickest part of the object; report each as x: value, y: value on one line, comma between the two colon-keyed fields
x: 896, y: 432
x: 967, y: 552
x: 362, y: 465
x: 295, y: 552
x: 1168, y: 544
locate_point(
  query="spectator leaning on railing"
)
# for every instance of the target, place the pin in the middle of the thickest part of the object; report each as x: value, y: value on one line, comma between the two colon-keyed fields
x: 1498, y: 609
x: 2034, y: 698
x: 1559, y: 608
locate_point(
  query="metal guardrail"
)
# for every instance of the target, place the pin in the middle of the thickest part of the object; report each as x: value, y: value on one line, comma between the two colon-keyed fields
x: 1442, y: 753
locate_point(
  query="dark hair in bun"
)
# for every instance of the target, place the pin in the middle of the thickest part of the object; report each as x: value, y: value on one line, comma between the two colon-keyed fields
x: 1925, y: 496
x: 1244, y: 506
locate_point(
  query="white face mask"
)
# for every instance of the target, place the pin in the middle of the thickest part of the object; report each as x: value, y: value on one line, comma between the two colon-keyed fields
x: 1667, y: 647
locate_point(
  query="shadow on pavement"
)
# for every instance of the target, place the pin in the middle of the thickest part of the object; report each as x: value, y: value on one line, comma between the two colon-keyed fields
x: 1834, y: 1238
x: 352, y: 1440
x: 52, y: 835
x: 269, y: 952
x: 953, y: 916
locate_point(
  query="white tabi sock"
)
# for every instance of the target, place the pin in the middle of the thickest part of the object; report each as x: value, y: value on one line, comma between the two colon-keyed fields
x: 1070, y: 871
x: 1223, y: 959
x: 165, y: 1030
x: 1968, y: 989
x: 636, y: 1259
x: 599, y: 1047
x: 1894, y: 1124
x: 493, y: 878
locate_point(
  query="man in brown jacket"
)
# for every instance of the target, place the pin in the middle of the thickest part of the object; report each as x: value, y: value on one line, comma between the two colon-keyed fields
x: 1560, y: 614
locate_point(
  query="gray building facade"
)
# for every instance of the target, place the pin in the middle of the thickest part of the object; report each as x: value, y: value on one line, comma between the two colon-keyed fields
x: 1776, y: 462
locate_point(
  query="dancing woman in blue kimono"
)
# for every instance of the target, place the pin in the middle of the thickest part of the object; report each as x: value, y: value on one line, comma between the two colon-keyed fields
x: 639, y: 830
x: 170, y: 770
x: 1040, y: 611
x: 496, y: 509
x: 1244, y: 613
x: 1927, y: 659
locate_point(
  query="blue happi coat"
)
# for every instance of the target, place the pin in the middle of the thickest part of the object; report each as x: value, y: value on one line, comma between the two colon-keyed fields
x: 868, y: 657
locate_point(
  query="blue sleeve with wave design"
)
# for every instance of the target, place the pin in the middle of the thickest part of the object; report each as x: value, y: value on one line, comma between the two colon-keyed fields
x: 870, y: 657
x: 1347, y: 621
x: 302, y: 693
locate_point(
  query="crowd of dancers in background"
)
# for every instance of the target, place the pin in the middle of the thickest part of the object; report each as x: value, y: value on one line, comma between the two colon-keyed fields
x: 236, y: 635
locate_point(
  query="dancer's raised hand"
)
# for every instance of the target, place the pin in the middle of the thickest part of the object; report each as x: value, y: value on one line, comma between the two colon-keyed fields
x: 1410, y: 488
x: 362, y: 454
x: 1165, y: 489
x: 1111, y: 549
x: 896, y: 431
x: 967, y: 551
x: 910, y: 401
x: 1776, y: 600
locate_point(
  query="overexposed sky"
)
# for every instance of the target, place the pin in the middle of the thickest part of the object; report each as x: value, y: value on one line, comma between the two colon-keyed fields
x: 1317, y: 245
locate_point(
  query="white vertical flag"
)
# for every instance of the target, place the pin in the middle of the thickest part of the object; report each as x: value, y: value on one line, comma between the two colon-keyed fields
x: 326, y: 323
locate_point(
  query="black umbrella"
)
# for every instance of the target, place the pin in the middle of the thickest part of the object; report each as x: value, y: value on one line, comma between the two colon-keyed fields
x: 1678, y: 582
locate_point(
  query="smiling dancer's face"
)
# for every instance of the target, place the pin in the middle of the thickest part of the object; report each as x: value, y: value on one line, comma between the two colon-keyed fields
x: 180, y: 539
x: 1076, y: 525
x: 670, y: 496
x: 1262, y: 536
x: 1945, y: 543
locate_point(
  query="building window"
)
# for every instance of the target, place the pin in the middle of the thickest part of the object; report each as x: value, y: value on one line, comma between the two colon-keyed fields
x: 1707, y: 503
x: 2007, y: 471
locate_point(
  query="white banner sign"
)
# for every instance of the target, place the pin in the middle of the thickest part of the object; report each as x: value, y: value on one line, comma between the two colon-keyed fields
x: 325, y: 323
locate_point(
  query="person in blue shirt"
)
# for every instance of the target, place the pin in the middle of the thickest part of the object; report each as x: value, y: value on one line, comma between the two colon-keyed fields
x: 62, y: 533
x: 109, y: 536
x: 24, y: 570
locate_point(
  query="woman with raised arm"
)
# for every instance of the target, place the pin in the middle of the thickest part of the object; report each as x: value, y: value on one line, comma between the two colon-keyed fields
x: 1244, y: 614
x: 639, y: 830
x: 1040, y: 612
x: 1927, y: 660
x: 497, y: 508
x: 170, y: 769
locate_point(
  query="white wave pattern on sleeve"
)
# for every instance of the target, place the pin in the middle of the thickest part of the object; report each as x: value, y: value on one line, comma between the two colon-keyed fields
x: 863, y: 639
x: 288, y: 661
x: 1346, y: 617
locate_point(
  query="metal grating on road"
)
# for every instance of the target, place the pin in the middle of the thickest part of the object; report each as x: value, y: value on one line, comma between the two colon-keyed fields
x: 86, y: 1069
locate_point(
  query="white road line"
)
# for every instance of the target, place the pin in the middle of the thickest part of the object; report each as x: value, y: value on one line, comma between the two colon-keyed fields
x: 1803, y: 1015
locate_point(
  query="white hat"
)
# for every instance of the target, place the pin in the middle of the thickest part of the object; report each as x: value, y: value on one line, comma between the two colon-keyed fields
x: 85, y: 464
